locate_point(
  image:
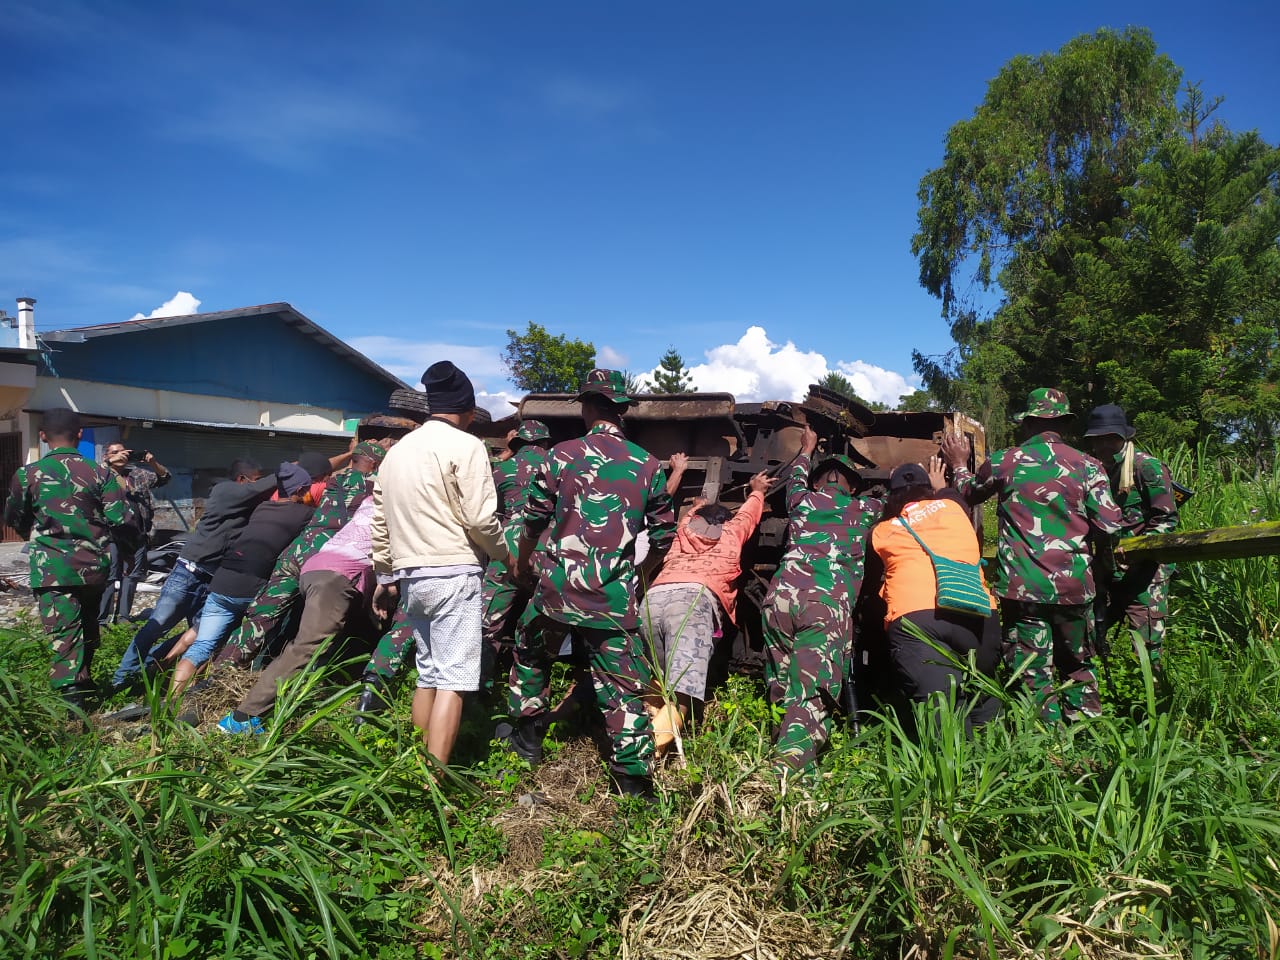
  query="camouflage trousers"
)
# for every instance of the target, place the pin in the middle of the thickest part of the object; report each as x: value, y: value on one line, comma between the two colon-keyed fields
x: 619, y: 676
x: 504, y: 602
x: 70, y: 619
x: 806, y: 644
x: 393, y: 648
x: 272, y: 610
x: 1144, y: 605
x: 1054, y: 643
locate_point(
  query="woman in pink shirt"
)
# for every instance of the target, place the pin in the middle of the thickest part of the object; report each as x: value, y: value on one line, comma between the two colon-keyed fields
x: 686, y: 601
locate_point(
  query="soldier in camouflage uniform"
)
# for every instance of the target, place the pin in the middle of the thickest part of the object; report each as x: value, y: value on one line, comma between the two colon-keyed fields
x: 277, y: 602
x: 1143, y: 488
x: 593, y: 497
x: 504, y: 598
x: 75, y: 506
x: 389, y: 655
x: 808, y: 612
x: 1052, y: 499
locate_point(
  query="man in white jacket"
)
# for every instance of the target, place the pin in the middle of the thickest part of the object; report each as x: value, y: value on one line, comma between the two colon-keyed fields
x: 435, y: 526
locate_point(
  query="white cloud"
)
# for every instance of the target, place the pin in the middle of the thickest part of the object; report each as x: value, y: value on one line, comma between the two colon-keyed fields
x: 877, y: 383
x: 181, y: 304
x: 756, y: 368
x: 288, y: 123
x: 576, y: 96
x: 384, y: 351
x: 408, y: 358
x: 753, y: 369
x: 498, y: 403
x: 606, y: 356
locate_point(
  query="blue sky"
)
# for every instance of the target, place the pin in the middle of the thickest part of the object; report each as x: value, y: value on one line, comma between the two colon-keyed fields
x: 736, y: 179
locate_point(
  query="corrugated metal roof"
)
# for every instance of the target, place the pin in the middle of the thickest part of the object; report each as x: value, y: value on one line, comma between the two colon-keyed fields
x: 284, y: 310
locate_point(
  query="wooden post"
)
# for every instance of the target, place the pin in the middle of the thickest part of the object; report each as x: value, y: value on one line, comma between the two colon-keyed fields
x: 1217, y: 543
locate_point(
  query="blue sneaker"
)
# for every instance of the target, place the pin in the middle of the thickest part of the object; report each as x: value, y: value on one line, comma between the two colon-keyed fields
x: 229, y: 724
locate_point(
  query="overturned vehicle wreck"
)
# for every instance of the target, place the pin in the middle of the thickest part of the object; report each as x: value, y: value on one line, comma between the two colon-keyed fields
x: 728, y: 442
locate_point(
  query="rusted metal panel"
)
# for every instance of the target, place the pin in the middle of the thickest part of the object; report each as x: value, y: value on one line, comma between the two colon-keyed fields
x: 849, y: 414
x: 888, y: 452
x: 728, y: 442
x: 657, y: 406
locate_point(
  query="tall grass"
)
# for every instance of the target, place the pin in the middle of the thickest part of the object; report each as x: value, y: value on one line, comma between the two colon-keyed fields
x: 271, y: 847
x: 1150, y: 832
x: 1226, y: 614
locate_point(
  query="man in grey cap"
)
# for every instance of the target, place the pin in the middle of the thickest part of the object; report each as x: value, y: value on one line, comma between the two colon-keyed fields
x: 435, y: 524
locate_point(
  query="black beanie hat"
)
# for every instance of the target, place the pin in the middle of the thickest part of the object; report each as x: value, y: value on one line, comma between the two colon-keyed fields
x: 448, y: 389
x: 316, y: 464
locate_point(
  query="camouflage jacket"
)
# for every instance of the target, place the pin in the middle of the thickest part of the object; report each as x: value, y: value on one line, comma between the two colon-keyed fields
x: 74, y: 505
x: 594, y: 496
x: 826, y: 533
x: 1052, y: 498
x: 1149, y: 506
x: 138, y: 482
x: 342, y: 495
x: 512, y: 478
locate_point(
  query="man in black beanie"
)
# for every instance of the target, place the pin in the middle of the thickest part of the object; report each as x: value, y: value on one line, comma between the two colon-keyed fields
x: 435, y: 526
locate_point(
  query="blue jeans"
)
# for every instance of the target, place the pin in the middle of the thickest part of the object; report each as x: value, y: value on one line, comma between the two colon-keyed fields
x: 181, y: 598
x: 219, y: 617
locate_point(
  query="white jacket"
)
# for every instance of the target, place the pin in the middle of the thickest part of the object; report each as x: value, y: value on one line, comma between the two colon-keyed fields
x: 434, y: 503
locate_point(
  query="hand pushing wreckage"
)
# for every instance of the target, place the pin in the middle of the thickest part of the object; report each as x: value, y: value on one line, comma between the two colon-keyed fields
x: 727, y: 443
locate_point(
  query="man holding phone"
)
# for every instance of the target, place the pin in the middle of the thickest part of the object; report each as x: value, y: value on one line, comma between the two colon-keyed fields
x: 138, y: 472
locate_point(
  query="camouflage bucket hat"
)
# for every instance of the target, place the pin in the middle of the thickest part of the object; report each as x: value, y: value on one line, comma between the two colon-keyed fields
x: 610, y: 384
x: 367, y: 448
x: 838, y: 460
x: 531, y: 431
x: 1045, y: 403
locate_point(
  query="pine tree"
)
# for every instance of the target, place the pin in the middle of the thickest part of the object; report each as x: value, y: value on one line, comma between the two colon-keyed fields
x: 672, y: 376
x: 839, y: 383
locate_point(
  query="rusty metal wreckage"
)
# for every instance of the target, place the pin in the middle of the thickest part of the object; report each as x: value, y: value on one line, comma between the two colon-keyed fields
x: 729, y: 442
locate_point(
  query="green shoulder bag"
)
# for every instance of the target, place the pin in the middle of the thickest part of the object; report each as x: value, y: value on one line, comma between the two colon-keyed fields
x: 960, y: 588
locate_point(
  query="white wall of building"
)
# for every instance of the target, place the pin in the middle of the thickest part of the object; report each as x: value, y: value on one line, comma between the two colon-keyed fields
x: 106, y: 399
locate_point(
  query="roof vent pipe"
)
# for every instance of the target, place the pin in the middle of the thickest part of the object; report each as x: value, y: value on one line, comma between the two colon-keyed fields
x: 26, y: 323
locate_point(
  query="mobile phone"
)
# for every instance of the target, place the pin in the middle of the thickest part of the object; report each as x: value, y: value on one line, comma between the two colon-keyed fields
x: 138, y: 456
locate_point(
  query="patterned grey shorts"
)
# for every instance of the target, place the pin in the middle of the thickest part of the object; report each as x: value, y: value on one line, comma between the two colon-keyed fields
x: 446, y: 614
x: 678, y: 622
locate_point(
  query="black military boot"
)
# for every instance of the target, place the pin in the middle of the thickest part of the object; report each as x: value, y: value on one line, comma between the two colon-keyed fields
x: 630, y: 785
x: 523, y: 737
x: 373, y: 699
x: 76, y: 700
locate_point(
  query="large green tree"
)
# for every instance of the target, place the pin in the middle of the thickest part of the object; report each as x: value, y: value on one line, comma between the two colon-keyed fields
x: 1083, y: 232
x: 542, y: 363
x: 672, y: 376
x: 1179, y: 311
